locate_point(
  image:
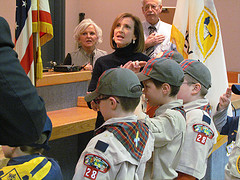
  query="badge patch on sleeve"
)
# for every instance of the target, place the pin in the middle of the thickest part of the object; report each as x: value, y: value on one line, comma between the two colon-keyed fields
x: 238, y: 164
x: 204, y: 132
x: 94, y: 164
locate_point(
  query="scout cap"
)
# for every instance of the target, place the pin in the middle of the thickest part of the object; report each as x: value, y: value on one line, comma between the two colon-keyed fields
x: 198, y: 71
x: 174, y: 55
x: 42, y: 142
x: 236, y: 89
x: 163, y: 70
x: 120, y: 82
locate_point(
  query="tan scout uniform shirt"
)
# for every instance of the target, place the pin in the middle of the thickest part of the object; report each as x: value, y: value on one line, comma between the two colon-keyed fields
x: 232, y: 169
x: 168, y: 127
x: 117, y: 162
x: 200, y: 137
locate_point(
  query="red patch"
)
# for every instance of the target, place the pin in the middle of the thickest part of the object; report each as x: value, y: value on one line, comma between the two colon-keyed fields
x: 201, y: 138
x: 91, y: 173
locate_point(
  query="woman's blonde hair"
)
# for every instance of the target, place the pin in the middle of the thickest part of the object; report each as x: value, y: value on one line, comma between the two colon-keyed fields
x: 83, y: 25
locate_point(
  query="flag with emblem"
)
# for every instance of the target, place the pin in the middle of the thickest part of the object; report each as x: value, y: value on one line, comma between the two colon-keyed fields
x: 197, y: 35
x: 42, y: 25
x: 24, y: 37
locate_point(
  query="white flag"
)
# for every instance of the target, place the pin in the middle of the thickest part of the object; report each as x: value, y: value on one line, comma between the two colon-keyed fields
x: 197, y: 35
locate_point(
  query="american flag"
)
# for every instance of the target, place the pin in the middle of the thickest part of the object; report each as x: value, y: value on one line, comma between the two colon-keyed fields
x: 24, y: 37
x: 32, y: 16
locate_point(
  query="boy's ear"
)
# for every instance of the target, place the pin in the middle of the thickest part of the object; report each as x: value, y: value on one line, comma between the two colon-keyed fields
x: 113, y: 103
x: 166, y: 88
x: 197, y: 88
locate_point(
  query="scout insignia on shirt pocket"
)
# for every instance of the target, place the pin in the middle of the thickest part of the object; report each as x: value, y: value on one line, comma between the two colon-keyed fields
x: 204, y: 132
x: 94, y: 164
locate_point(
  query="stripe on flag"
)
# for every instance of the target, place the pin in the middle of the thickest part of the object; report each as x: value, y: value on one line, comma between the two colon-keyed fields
x: 23, y: 36
x: 42, y: 25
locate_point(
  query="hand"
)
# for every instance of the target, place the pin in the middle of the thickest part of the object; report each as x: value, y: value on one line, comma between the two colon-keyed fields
x: 88, y: 67
x: 135, y: 66
x: 154, y: 40
x: 225, y: 99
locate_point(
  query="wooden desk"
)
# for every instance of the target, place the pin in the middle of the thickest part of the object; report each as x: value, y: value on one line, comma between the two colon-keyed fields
x: 72, y: 121
x: 54, y: 78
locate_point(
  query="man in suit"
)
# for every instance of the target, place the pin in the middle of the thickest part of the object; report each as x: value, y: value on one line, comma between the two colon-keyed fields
x: 156, y: 32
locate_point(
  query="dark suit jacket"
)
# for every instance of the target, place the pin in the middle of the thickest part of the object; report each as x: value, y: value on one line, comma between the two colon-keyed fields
x: 230, y: 128
x: 22, y: 111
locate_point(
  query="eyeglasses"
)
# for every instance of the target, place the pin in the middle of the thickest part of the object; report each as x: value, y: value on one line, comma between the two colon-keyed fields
x: 97, y: 100
x: 152, y: 6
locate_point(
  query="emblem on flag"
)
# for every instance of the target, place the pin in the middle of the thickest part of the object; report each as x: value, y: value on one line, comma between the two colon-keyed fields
x: 207, y: 32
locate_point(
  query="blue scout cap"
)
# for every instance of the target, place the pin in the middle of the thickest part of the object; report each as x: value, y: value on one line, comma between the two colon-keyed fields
x: 236, y: 89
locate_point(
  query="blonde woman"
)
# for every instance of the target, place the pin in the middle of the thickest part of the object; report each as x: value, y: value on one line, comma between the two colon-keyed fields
x: 88, y: 35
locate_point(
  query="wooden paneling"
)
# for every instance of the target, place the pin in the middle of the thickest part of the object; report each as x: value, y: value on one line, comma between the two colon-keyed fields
x: 232, y: 76
x: 53, y: 78
x: 72, y: 121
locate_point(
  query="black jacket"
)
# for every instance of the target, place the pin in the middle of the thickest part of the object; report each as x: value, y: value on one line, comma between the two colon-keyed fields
x: 22, y: 111
x: 119, y: 57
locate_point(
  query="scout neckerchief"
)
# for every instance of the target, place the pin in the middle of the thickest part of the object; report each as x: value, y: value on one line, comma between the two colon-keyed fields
x: 207, y: 108
x: 181, y: 110
x: 132, y: 135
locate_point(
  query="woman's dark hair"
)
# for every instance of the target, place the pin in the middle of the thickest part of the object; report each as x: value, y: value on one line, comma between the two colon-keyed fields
x: 138, y: 32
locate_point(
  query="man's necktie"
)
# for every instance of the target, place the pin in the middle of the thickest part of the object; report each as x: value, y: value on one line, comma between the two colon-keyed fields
x: 150, y: 50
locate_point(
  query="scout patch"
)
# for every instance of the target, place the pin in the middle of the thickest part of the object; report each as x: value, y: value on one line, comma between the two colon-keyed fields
x: 94, y: 164
x: 13, y: 174
x: 230, y: 147
x: 101, y: 146
x: 238, y: 164
x: 204, y: 132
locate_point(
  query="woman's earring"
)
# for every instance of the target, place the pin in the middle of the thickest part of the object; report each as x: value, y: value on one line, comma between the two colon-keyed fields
x: 133, y: 41
x: 113, y: 38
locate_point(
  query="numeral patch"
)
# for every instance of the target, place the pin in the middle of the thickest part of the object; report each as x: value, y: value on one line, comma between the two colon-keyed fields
x: 204, y: 132
x: 91, y: 173
x: 201, y: 138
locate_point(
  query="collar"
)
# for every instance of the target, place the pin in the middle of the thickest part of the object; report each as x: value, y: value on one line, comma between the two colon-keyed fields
x: 132, y: 118
x: 133, y: 135
x: 22, y: 159
x: 157, y: 25
x: 169, y: 105
x: 85, y: 53
x: 125, y: 51
x: 195, y: 104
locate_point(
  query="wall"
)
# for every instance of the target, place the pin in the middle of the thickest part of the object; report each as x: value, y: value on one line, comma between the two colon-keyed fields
x: 228, y: 14
x: 104, y: 12
x: 7, y: 10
